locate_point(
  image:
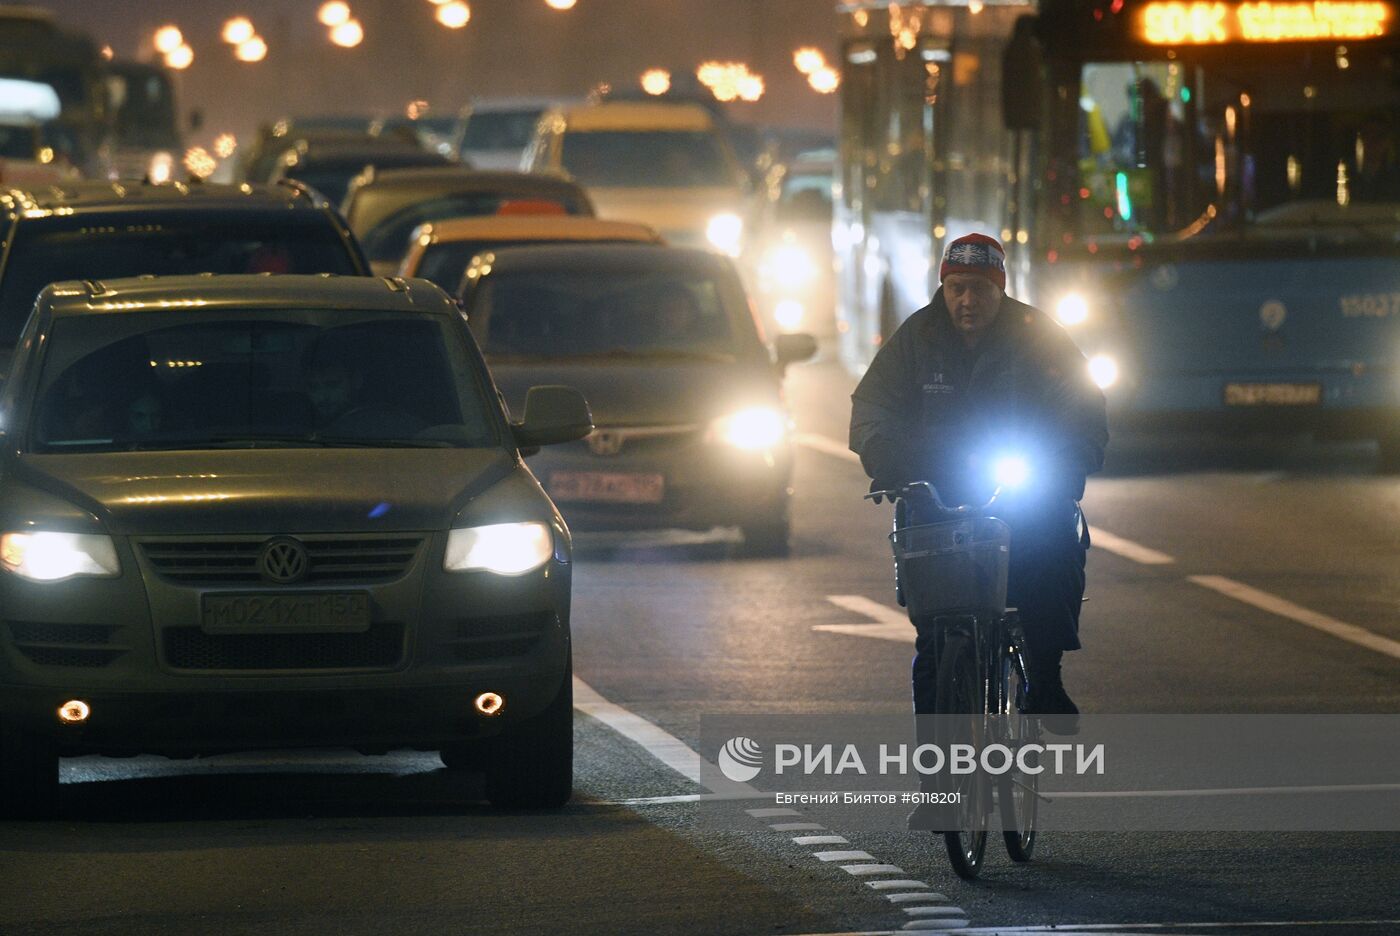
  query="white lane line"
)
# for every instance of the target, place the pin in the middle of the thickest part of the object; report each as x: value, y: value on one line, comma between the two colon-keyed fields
x: 925, y: 926
x: 820, y: 443
x: 660, y: 744
x: 775, y: 811
x: 915, y: 897
x: 820, y: 840
x: 797, y: 827
x: 944, y: 911
x: 1284, y: 608
x: 1135, y: 552
x: 890, y: 623
x: 861, y: 870
x: 843, y: 856
x: 895, y: 885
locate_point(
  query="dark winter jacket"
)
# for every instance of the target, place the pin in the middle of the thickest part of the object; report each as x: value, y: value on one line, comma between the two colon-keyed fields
x: 931, y: 409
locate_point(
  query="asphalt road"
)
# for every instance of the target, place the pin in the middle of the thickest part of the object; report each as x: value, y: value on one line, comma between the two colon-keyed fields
x: 1227, y: 578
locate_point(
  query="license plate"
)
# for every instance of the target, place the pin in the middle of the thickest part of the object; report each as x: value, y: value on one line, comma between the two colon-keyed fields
x: 344, y: 612
x: 1273, y: 394
x: 608, y: 487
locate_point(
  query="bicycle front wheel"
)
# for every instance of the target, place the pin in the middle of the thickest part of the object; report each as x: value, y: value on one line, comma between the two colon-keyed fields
x: 1017, y: 793
x: 959, y: 705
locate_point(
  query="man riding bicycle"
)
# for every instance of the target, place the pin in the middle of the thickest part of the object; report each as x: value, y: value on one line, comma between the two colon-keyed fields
x: 969, y: 377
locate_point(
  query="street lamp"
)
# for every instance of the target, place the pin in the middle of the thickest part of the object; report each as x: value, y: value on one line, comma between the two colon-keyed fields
x: 348, y: 34
x: 656, y: 81
x: 454, y: 15
x: 179, y: 58
x: 807, y: 60
x: 561, y: 4
x: 168, y: 39
x: 333, y: 14
x: 251, y: 50
x: 238, y: 30
x: 824, y: 80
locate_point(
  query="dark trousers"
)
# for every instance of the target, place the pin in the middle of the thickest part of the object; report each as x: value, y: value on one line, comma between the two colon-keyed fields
x: 1045, y: 582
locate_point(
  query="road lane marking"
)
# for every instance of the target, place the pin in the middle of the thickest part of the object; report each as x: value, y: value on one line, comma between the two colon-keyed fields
x: 924, y: 926
x: 1127, y: 549
x: 1284, y: 608
x: 774, y: 811
x: 820, y: 840
x: 797, y: 827
x: 890, y: 623
x: 915, y: 897
x: 895, y: 885
x: 864, y: 869
x: 843, y: 856
x: 820, y: 443
x: 660, y: 744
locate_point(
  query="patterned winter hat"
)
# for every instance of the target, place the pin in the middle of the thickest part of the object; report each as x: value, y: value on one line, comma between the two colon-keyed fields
x: 977, y: 254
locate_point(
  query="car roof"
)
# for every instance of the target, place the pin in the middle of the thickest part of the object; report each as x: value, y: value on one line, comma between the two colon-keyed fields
x: 606, y: 258
x: 334, y: 154
x: 82, y: 196
x: 530, y: 227
x: 629, y: 115
x: 245, y: 291
x: 451, y: 179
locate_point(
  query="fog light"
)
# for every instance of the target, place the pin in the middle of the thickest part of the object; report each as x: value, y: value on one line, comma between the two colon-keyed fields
x: 74, y: 712
x: 489, y: 703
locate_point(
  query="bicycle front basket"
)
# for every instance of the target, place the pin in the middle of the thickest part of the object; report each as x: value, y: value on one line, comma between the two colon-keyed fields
x: 954, y: 566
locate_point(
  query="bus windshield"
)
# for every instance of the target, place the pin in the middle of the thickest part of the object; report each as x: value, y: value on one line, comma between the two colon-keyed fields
x: 1296, y: 141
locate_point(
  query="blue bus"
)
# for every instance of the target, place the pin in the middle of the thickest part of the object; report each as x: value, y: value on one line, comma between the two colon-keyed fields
x: 1217, y: 206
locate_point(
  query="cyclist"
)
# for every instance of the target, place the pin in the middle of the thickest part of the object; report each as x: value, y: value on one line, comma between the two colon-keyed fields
x: 970, y: 376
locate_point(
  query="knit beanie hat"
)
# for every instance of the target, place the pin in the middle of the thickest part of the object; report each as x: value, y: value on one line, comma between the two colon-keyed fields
x: 977, y: 254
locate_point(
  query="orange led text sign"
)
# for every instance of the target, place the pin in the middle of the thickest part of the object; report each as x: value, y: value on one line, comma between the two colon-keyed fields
x: 1205, y: 23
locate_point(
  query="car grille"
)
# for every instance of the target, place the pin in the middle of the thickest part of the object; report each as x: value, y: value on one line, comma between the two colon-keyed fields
x: 86, y: 645
x: 189, y: 648
x: 230, y: 560
x: 504, y: 635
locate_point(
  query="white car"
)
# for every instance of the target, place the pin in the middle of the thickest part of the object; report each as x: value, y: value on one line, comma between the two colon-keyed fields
x: 665, y: 165
x: 495, y: 134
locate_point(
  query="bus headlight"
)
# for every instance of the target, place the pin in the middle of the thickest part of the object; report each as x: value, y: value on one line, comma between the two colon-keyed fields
x: 501, y: 548
x: 1072, y: 309
x: 161, y: 169
x: 725, y: 232
x: 1103, y: 371
x: 51, y: 557
x: 787, y: 267
x: 752, y: 430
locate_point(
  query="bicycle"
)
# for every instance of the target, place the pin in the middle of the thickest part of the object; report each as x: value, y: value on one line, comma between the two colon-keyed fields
x: 950, y: 573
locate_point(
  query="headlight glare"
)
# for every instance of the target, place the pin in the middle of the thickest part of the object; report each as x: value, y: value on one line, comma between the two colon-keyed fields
x: 789, y: 314
x: 788, y: 266
x: 1103, y: 371
x: 1072, y: 309
x: 753, y: 429
x: 725, y: 232
x: 501, y: 548
x: 51, y: 557
x: 1011, y: 471
x: 162, y: 168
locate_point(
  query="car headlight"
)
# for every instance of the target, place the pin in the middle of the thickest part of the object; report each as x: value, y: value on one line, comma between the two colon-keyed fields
x: 1103, y: 371
x: 753, y: 430
x: 787, y: 266
x: 1072, y: 309
x: 502, y: 548
x: 161, y: 169
x: 789, y: 314
x: 725, y: 232
x: 51, y: 557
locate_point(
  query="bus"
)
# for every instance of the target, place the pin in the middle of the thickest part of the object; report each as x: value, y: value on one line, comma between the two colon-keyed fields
x: 1218, y: 220
x: 923, y: 156
x: 34, y: 47
x: 143, y: 138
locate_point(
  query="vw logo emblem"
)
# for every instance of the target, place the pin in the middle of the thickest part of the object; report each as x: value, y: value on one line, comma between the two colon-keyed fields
x: 1272, y: 314
x: 283, y: 561
x: 605, y: 442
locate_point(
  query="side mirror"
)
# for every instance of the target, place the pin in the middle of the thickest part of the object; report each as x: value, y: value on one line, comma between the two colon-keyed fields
x: 1023, y: 76
x: 553, y: 414
x: 789, y: 349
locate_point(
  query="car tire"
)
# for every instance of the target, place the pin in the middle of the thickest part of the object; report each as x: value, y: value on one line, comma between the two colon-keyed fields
x: 532, y: 767
x: 28, y: 775
x: 769, y: 538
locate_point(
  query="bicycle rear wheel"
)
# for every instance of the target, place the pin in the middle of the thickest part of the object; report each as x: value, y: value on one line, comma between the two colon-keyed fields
x: 960, y: 694
x: 1017, y: 792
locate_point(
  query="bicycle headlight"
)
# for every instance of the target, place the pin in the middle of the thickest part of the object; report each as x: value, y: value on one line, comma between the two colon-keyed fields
x: 1072, y: 309
x: 725, y: 232
x: 1011, y: 471
x: 1103, y: 370
x: 500, y: 548
x: 52, y: 557
x: 753, y: 429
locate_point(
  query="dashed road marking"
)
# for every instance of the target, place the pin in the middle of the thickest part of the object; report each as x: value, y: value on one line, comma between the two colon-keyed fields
x: 1284, y: 608
x: 774, y: 811
x: 860, y: 870
x: 797, y: 827
x: 914, y: 897
x: 820, y: 840
x: 890, y: 623
x: 895, y: 885
x: 1136, y: 552
x: 843, y: 856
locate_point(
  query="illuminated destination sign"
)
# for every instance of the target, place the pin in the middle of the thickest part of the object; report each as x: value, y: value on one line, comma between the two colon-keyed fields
x: 1207, y: 23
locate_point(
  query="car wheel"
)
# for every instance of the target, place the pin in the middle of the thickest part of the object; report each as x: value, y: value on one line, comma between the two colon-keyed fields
x: 532, y: 767
x: 768, y: 538
x: 28, y: 775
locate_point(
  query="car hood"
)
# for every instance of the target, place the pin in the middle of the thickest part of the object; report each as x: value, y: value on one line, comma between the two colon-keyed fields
x: 268, y: 490
x: 641, y: 394
x: 666, y: 209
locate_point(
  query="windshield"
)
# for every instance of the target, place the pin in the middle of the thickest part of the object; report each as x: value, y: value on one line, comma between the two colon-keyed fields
x: 806, y: 197
x: 143, y: 108
x: 388, y: 240
x: 648, y: 159
x: 245, y: 378
x: 92, y: 248
x: 577, y: 313
x: 500, y: 130
x: 1238, y: 144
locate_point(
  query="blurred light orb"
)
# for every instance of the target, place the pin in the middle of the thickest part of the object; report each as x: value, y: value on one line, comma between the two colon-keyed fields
x: 750, y: 87
x: 179, y: 58
x: 251, y: 50
x: 348, y: 34
x: 168, y: 39
x: 199, y: 163
x: 808, y: 60
x: 107, y: 53
x: 561, y: 4
x: 454, y: 15
x: 656, y: 81
x: 333, y: 14
x: 225, y: 145
x: 416, y: 109
x: 824, y: 80
x: 238, y: 30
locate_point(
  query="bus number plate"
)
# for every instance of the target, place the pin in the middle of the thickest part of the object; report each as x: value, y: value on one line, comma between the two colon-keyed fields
x: 1273, y: 394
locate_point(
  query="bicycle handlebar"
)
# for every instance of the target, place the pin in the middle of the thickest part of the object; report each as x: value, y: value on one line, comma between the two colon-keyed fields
x: 902, y: 493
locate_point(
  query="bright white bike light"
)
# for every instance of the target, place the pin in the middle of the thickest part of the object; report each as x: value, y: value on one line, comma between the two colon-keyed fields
x: 1103, y: 371
x: 753, y: 429
x: 1011, y: 471
x: 1072, y: 309
x: 500, y: 548
x: 51, y: 557
x: 725, y: 232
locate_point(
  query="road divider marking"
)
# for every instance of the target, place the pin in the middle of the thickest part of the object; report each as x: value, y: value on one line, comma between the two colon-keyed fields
x: 797, y: 827
x: 897, y: 885
x: 915, y: 896
x: 820, y: 443
x: 775, y: 811
x: 843, y: 856
x: 820, y: 840
x: 890, y: 623
x: 1127, y: 549
x: 863, y: 869
x: 1287, y: 609
x: 925, y: 926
